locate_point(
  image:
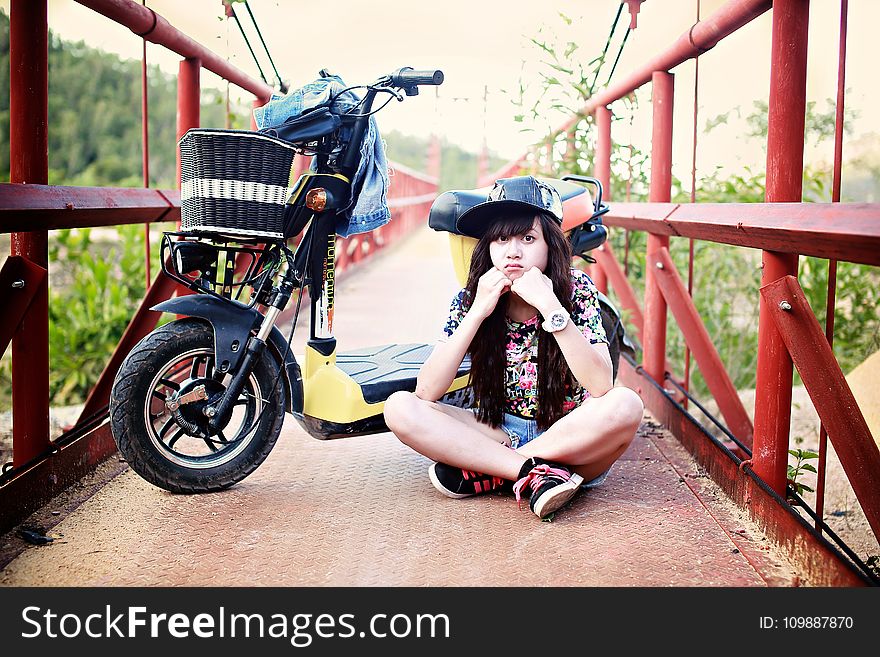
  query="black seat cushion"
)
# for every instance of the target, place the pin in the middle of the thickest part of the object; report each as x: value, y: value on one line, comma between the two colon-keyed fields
x: 449, y: 206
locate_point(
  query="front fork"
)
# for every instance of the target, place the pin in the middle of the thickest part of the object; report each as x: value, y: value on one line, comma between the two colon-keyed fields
x: 219, y: 414
x: 315, y: 253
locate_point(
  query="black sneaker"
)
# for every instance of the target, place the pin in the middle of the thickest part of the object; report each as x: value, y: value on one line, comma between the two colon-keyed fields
x: 551, y: 485
x: 458, y: 483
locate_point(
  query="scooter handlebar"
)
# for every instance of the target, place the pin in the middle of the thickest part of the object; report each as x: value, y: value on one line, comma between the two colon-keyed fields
x: 407, y: 77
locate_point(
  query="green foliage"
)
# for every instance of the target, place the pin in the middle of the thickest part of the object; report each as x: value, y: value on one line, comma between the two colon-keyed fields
x: 861, y: 179
x: 818, y: 126
x: 89, y: 312
x: 800, y: 466
x: 97, y: 281
x: 567, y: 82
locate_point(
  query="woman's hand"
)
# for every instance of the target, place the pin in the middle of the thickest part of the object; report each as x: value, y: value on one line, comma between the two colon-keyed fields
x: 536, y: 289
x: 491, y: 286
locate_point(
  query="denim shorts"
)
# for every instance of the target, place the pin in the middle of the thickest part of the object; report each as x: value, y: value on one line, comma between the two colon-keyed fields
x: 522, y: 431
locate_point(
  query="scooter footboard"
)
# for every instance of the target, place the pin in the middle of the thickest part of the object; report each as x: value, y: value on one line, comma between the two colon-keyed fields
x: 344, y: 394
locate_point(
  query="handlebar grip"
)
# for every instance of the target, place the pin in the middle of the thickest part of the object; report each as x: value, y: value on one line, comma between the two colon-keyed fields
x: 407, y: 77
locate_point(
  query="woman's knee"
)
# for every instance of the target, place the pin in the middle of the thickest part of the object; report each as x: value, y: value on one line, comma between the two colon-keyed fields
x: 399, y: 410
x: 627, y: 408
x: 631, y: 405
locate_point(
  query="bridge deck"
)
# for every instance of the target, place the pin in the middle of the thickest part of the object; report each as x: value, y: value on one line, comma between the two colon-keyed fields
x: 361, y: 511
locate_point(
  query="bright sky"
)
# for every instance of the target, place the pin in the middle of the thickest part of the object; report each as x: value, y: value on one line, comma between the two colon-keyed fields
x: 482, y: 45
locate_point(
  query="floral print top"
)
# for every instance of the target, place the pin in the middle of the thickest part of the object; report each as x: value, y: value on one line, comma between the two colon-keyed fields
x: 521, y: 373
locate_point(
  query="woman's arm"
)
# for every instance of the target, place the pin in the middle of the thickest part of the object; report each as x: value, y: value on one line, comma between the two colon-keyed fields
x: 439, y: 371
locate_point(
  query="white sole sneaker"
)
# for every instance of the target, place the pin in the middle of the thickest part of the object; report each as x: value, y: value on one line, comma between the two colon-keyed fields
x: 557, y: 497
x: 432, y: 475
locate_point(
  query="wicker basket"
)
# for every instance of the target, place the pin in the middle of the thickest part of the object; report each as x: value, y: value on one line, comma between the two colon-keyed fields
x: 234, y: 183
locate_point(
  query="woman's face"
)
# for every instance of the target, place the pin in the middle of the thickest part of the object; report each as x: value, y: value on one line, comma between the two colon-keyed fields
x: 516, y: 254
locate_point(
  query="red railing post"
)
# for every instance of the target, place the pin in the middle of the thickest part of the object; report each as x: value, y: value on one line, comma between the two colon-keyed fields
x: 602, y: 162
x: 785, y: 164
x: 29, y: 163
x: 258, y: 102
x: 660, y: 192
x: 602, y: 171
x: 188, y: 100
x: 482, y: 163
x: 831, y: 395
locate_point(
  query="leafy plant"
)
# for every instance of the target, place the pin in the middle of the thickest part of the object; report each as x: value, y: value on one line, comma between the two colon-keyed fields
x: 566, y: 81
x: 97, y: 292
x: 795, y: 471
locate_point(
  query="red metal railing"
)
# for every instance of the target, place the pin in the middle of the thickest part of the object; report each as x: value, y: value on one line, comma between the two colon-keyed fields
x: 29, y: 209
x: 783, y: 229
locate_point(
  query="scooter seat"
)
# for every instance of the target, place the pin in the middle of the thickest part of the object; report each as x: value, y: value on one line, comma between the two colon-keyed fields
x: 386, y: 369
x: 449, y: 206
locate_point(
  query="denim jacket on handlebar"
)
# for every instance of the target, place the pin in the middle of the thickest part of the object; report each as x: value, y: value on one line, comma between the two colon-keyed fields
x: 370, y: 184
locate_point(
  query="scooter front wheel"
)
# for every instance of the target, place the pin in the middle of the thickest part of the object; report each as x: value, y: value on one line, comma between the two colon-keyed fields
x: 159, y: 409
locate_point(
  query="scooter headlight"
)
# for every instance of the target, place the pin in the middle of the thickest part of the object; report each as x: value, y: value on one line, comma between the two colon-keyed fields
x: 193, y: 256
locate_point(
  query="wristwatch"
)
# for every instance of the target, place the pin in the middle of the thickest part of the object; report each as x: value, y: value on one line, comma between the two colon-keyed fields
x: 556, y: 321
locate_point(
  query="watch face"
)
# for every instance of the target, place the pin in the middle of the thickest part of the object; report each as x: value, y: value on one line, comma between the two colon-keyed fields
x: 557, y: 320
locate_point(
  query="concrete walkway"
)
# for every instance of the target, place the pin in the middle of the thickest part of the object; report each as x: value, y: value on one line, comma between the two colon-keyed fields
x: 361, y: 511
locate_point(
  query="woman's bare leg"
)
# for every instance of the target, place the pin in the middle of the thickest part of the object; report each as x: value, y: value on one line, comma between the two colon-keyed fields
x: 451, y: 435
x: 593, y: 436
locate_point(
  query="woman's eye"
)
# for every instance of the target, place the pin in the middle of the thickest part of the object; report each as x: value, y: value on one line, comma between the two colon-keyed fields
x: 502, y: 239
x: 528, y: 239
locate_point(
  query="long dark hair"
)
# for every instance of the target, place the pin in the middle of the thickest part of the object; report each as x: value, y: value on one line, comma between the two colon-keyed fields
x: 488, y: 348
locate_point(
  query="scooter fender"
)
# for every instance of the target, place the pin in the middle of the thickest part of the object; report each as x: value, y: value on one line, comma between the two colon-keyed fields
x: 232, y: 323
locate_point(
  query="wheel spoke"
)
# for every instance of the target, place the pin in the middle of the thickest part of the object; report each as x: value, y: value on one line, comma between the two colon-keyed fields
x: 222, y: 437
x: 158, y: 395
x: 165, y: 427
x: 175, y: 438
x: 194, y: 370
x: 180, y: 367
x: 210, y: 444
x: 175, y: 375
